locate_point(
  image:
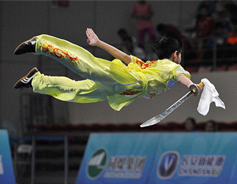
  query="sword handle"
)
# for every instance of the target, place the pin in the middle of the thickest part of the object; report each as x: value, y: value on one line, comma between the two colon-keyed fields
x: 193, y: 88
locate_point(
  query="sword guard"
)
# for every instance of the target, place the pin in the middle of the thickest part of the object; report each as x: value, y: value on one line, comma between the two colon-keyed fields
x: 194, y: 89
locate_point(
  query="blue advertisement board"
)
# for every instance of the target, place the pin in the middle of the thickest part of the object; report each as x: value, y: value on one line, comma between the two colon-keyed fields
x: 202, y: 158
x: 117, y: 158
x: 167, y: 158
x: 6, y: 168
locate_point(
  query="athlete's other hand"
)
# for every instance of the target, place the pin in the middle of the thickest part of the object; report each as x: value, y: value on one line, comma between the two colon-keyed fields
x: 92, y: 38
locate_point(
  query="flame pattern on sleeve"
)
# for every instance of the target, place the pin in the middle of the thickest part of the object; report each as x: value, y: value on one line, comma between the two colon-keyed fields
x: 141, y: 63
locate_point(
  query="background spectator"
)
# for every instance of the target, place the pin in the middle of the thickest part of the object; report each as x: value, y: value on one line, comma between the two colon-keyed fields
x: 190, y: 125
x: 225, y: 19
x: 129, y: 45
x: 123, y: 34
x: 211, y: 126
x: 217, y: 41
x: 142, y: 12
x: 231, y: 42
x: 210, y: 4
x: 204, y: 27
x: 131, y: 49
x: 169, y: 30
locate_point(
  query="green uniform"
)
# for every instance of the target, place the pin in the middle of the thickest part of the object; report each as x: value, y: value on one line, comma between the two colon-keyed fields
x: 105, y: 80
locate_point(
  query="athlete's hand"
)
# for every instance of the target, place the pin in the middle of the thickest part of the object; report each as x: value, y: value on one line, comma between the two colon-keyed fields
x: 200, y: 87
x: 92, y: 38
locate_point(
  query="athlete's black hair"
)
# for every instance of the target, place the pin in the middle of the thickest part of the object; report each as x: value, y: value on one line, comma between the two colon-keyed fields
x: 167, y: 46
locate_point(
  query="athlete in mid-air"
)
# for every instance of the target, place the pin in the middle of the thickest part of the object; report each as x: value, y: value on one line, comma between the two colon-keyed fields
x: 114, y: 81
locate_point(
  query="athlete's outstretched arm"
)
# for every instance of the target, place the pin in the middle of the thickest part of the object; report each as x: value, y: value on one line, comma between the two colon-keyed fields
x: 187, y: 82
x: 95, y: 41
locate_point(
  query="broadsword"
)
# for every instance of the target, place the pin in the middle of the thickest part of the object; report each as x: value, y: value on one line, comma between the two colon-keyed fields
x: 174, y: 106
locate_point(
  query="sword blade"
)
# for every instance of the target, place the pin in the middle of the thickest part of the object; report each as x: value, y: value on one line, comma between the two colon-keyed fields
x: 164, y: 114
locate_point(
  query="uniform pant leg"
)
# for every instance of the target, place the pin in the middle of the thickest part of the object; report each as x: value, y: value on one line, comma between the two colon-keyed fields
x: 75, y: 58
x: 65, y: 89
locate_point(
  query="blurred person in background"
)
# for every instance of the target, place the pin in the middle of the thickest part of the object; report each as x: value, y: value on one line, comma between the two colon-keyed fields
x: 123, y: 34
x: 142, y: 12
x: 204, y: 28
x: 132, y: 49
x: 129, y: 45
x: 190, y: 124
x: 210, y: 4
x: 211, y: 126
x: 231, y: 43
x: 168, y: 30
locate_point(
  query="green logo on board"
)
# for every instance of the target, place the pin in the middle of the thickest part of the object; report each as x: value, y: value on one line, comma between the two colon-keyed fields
x: 97, y: 163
